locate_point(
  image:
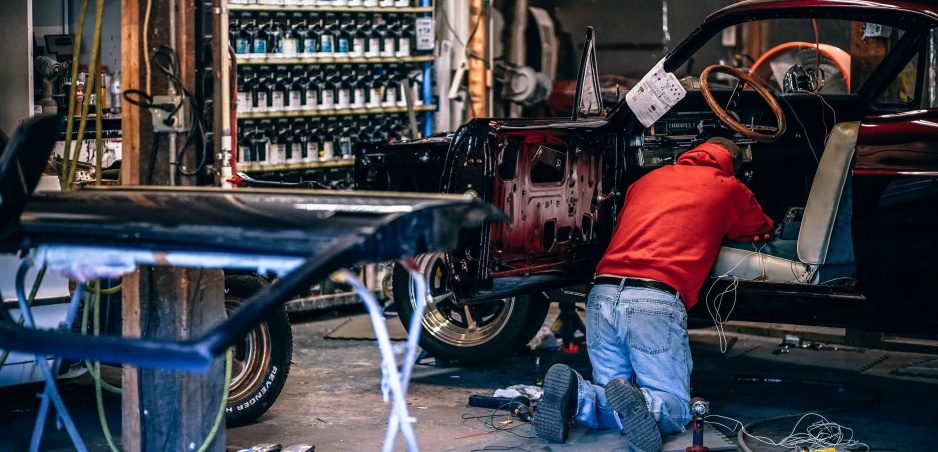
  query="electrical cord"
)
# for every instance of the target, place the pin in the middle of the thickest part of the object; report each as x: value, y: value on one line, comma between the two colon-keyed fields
x: 744, y: 429
x: 224, y: 403
x: 806, y: 137
x: 70, y: 123
x: 72, y: 165
x: 168, y: 63
x: 29, y: 303
x: 95, y: 370
x: 828, y: 430
x: 393, y: 382
x: 488, y: 421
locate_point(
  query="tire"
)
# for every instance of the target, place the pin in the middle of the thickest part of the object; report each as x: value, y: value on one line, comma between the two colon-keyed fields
x: 261, y: 361
x: 502, y: 327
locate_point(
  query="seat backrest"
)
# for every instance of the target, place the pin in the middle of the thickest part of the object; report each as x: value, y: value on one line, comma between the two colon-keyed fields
x: 824, y: 200
x: 22, y: 164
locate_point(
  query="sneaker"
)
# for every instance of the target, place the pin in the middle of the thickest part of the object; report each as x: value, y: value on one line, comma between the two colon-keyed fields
x: 638, y: 425
x: 554, y: 415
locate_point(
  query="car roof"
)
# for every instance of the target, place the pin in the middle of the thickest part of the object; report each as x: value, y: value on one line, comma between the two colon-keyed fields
x: 921, y: 10
x: 921, y: 15
x: 906, y: 14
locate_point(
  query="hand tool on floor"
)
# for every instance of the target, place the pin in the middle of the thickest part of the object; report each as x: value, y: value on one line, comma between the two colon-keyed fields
x: 700, y: 408
x: 519, y: 406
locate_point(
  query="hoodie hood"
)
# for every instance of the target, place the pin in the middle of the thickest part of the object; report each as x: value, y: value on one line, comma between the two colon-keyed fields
x: 711, y: 155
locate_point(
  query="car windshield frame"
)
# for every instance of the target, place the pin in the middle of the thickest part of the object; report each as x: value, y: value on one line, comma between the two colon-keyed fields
x: 915, y: 23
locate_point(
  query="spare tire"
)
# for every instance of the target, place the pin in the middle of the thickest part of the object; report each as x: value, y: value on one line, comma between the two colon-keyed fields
x: 260, y: 361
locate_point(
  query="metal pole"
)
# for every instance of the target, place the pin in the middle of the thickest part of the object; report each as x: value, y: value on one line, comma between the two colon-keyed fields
x: 222, y: 107
x: 172, y: 92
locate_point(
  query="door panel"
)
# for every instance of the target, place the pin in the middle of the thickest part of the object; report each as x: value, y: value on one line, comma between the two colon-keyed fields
x: 548, y: 193
x: 896, y: 207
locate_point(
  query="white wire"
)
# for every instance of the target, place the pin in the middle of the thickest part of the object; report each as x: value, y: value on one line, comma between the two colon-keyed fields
x: 715, y: 315
x: 806, y: 137
x: 818, y: 435
x: 146, y: 42
x: 391, y: 381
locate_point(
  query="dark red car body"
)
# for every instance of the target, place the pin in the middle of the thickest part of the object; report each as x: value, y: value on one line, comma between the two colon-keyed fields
x: 561, y: 181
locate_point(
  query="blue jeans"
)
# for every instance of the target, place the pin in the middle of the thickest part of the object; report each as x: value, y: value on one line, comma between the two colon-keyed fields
x: 640, y: 335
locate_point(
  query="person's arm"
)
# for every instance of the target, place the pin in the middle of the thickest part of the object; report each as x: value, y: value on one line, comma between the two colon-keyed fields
x: 753, y: 224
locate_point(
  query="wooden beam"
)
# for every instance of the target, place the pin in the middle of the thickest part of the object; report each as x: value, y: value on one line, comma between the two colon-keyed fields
x: 163, y: 409
x: 479, y: 74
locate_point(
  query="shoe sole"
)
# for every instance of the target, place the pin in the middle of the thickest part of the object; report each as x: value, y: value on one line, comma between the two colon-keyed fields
x: 638, y: 425
x: 550, y: 417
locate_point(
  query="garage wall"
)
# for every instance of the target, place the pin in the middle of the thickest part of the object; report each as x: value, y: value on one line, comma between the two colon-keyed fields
x: 16, y: 39
x: 629, y: 24
x: 110, y: 34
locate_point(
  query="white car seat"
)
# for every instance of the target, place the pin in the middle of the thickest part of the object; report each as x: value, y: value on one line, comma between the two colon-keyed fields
x: 824, y: 236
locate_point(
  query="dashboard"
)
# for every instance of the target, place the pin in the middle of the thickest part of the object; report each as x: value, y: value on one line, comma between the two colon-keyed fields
x: 678, y: 132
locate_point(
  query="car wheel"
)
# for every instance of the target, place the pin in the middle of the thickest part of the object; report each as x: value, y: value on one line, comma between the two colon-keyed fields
x: 470, y: 334
x: 261, y: 361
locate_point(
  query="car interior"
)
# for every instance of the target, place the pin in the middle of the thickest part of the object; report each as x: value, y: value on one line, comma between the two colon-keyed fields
x: 803, y: 179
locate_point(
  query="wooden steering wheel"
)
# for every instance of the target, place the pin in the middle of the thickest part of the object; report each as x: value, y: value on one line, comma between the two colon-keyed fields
x: 731, y: 122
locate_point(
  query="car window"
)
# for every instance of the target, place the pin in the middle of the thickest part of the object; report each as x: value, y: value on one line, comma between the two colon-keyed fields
x: 930, y: 82
x: 834, y: 55
x: 901, y: 91
x: 508, y: 159
x: 549, y: 165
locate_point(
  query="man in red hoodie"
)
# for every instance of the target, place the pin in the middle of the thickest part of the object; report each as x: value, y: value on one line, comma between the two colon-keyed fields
x: 666, y: 240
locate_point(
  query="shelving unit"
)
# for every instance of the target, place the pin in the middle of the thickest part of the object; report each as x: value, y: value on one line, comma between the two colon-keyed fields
x: 273, y: 61
x: 305, y: 65
x: 343, y: 163
x: 329, y: 9
x: 332, y: 112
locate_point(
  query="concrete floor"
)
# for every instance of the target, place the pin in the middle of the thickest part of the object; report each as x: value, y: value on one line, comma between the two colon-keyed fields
x: 332, y: 397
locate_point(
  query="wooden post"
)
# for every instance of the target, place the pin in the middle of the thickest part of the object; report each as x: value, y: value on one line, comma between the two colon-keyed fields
x: 162, y: 409
x: 479, y: 74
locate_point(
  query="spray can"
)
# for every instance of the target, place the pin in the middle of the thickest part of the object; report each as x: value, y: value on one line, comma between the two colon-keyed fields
x: 115, y: 89
x: 79, y: 97
x: 102, y: 90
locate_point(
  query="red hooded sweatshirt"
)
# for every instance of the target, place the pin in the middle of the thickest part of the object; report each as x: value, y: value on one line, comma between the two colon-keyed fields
x: 675, y: 218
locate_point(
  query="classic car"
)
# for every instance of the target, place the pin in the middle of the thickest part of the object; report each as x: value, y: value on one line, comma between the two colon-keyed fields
x: 831, y: 100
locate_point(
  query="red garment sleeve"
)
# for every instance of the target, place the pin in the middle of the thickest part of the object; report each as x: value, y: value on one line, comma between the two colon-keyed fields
x: 753, y: 224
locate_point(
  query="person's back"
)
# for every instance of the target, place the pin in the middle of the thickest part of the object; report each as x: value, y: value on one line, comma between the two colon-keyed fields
x: 675, y: 217
x: 667, y: 238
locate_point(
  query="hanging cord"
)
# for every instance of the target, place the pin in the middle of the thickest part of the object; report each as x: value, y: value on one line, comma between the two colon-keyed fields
x: 72, y: 165
x: 29, y: 303
x: 93, y: 299
x: 73, y: 90
x: 718, y: 318
x: 95, y: 370
x: 805, y: 129
x: 224, y: 403
x: 97, y: 123
x: 146, y: 41
x: 167, y: 62
x: 393, y: 382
